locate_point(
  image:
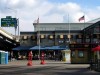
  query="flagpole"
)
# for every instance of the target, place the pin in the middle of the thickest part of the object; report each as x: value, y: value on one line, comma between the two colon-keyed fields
x: 69, y: 27
x: 83, y: 18
x: 39, y: 42
x: 39, y: 38
x: 84, y: 28
x: 38, y: 35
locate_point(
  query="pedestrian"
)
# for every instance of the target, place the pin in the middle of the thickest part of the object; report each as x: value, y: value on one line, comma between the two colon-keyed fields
x: 60, y: 57
x: 91, y: 64
x: 56, y: 57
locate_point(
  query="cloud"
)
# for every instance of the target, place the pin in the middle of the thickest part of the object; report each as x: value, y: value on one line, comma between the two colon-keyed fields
x: 29, y: 10
x: 53, y: 18
x: 69, y: 7
x: 72, y: 12
x: 98, y: 7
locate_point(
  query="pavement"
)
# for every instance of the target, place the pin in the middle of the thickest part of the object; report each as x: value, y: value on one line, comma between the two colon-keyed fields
x: 19, y: 67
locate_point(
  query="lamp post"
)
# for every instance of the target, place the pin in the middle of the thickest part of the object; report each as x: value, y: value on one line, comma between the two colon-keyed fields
x: 38, y: 36
x: 15, y: 11
x: 69, y: 28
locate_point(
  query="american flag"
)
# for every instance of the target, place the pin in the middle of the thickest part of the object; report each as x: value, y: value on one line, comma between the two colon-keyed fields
x: 81, y: 18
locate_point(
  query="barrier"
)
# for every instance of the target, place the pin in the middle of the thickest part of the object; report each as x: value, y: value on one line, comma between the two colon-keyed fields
x: 6, y: 57
x: 42, y: 58
x: 30, y: 55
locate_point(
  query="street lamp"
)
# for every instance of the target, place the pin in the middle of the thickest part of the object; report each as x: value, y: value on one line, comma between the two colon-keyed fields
x: 15, y: 11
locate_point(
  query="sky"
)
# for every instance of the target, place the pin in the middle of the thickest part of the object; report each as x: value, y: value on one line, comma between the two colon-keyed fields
x: 48, y: 11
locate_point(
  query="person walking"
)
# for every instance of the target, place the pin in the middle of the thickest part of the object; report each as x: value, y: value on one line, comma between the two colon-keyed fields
x: 91, y: 64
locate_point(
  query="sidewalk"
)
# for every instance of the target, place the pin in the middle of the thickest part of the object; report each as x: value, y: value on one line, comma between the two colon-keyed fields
x: 50, y: 68
x: 37, y: 62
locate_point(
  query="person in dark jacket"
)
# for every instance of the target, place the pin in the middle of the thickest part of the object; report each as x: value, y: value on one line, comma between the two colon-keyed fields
x: 91, y: 64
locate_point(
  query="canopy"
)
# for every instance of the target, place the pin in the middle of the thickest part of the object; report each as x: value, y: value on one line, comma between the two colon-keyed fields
x: 56, y: 48
x: 37, y: 48
x: 49, y: 48
x: 22, y: 48
x: 96, y: 48
x: 41, y: 48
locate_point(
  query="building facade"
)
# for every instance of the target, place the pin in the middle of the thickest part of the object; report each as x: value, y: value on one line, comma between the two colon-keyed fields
x: 79, y: 37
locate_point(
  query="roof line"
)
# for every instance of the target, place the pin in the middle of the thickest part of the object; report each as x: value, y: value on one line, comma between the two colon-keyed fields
x: 93, y: 20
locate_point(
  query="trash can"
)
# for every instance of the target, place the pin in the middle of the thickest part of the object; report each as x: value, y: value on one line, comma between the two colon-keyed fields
x: 6, y: 57
x: 2, y: 57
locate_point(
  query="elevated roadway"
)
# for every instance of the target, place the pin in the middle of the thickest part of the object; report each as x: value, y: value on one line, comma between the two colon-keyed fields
x: 7, y: 40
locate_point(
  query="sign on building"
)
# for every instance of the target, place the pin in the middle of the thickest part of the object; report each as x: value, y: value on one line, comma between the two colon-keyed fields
x: 8, y: 22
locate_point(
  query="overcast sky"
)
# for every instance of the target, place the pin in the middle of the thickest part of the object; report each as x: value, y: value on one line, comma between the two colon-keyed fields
x: 49, y: 11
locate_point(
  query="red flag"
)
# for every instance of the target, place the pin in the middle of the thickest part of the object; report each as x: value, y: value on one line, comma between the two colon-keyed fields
x: 81, y: 18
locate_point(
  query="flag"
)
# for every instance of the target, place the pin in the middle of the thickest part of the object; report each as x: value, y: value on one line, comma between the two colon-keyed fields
x: 38, y: 20
x: 81, y: 18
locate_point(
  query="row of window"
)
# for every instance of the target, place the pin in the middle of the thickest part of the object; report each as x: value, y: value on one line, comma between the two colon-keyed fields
x: 52, y: 36
x: 59, y: 36
x: 80, y: 54
x: 79, y: 46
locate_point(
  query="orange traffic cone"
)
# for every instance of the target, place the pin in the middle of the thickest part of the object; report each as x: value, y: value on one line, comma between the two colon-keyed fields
x: 29, y: 59
x: 29, y: 63
x: 42, y: 62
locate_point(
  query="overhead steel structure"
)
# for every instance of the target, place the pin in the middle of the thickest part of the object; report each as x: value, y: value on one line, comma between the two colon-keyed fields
x: 7, y: 40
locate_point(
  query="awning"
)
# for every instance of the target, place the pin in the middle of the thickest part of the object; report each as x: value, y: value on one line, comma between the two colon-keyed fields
x: 22, y: 48
x: 37, y: 48
x: 57, y: 48
x: 96, y: 48
x: 49, y: 48
x: 41, y: 48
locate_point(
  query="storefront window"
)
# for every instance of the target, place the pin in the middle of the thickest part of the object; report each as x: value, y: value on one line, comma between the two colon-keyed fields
x: 87, y: 40
x: 73, y: 53
x: 80, y: 54
x: 79, y: 40
x: 61, y: 41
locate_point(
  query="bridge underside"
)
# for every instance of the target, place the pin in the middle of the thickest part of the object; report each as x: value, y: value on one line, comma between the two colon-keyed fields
x: 7, y: 44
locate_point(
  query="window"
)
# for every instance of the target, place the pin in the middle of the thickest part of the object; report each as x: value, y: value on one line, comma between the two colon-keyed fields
x: 69, y: 36
x: 74, y: 36
x: 87, y: 36
x: 79, y: 40
x: 87, y: 40
x: 51, y: 36
x: 61, y: 41
x: 73, y: 54
x: 42, y: 36
x: 25, y: 37
x: 32, y: 37
x: 79, y: 36
x: 80, y: 54
x: 61, y: 36
x: 98, y: 36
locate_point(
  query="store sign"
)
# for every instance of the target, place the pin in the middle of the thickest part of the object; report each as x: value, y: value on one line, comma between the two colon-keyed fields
x: 8, y: 22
